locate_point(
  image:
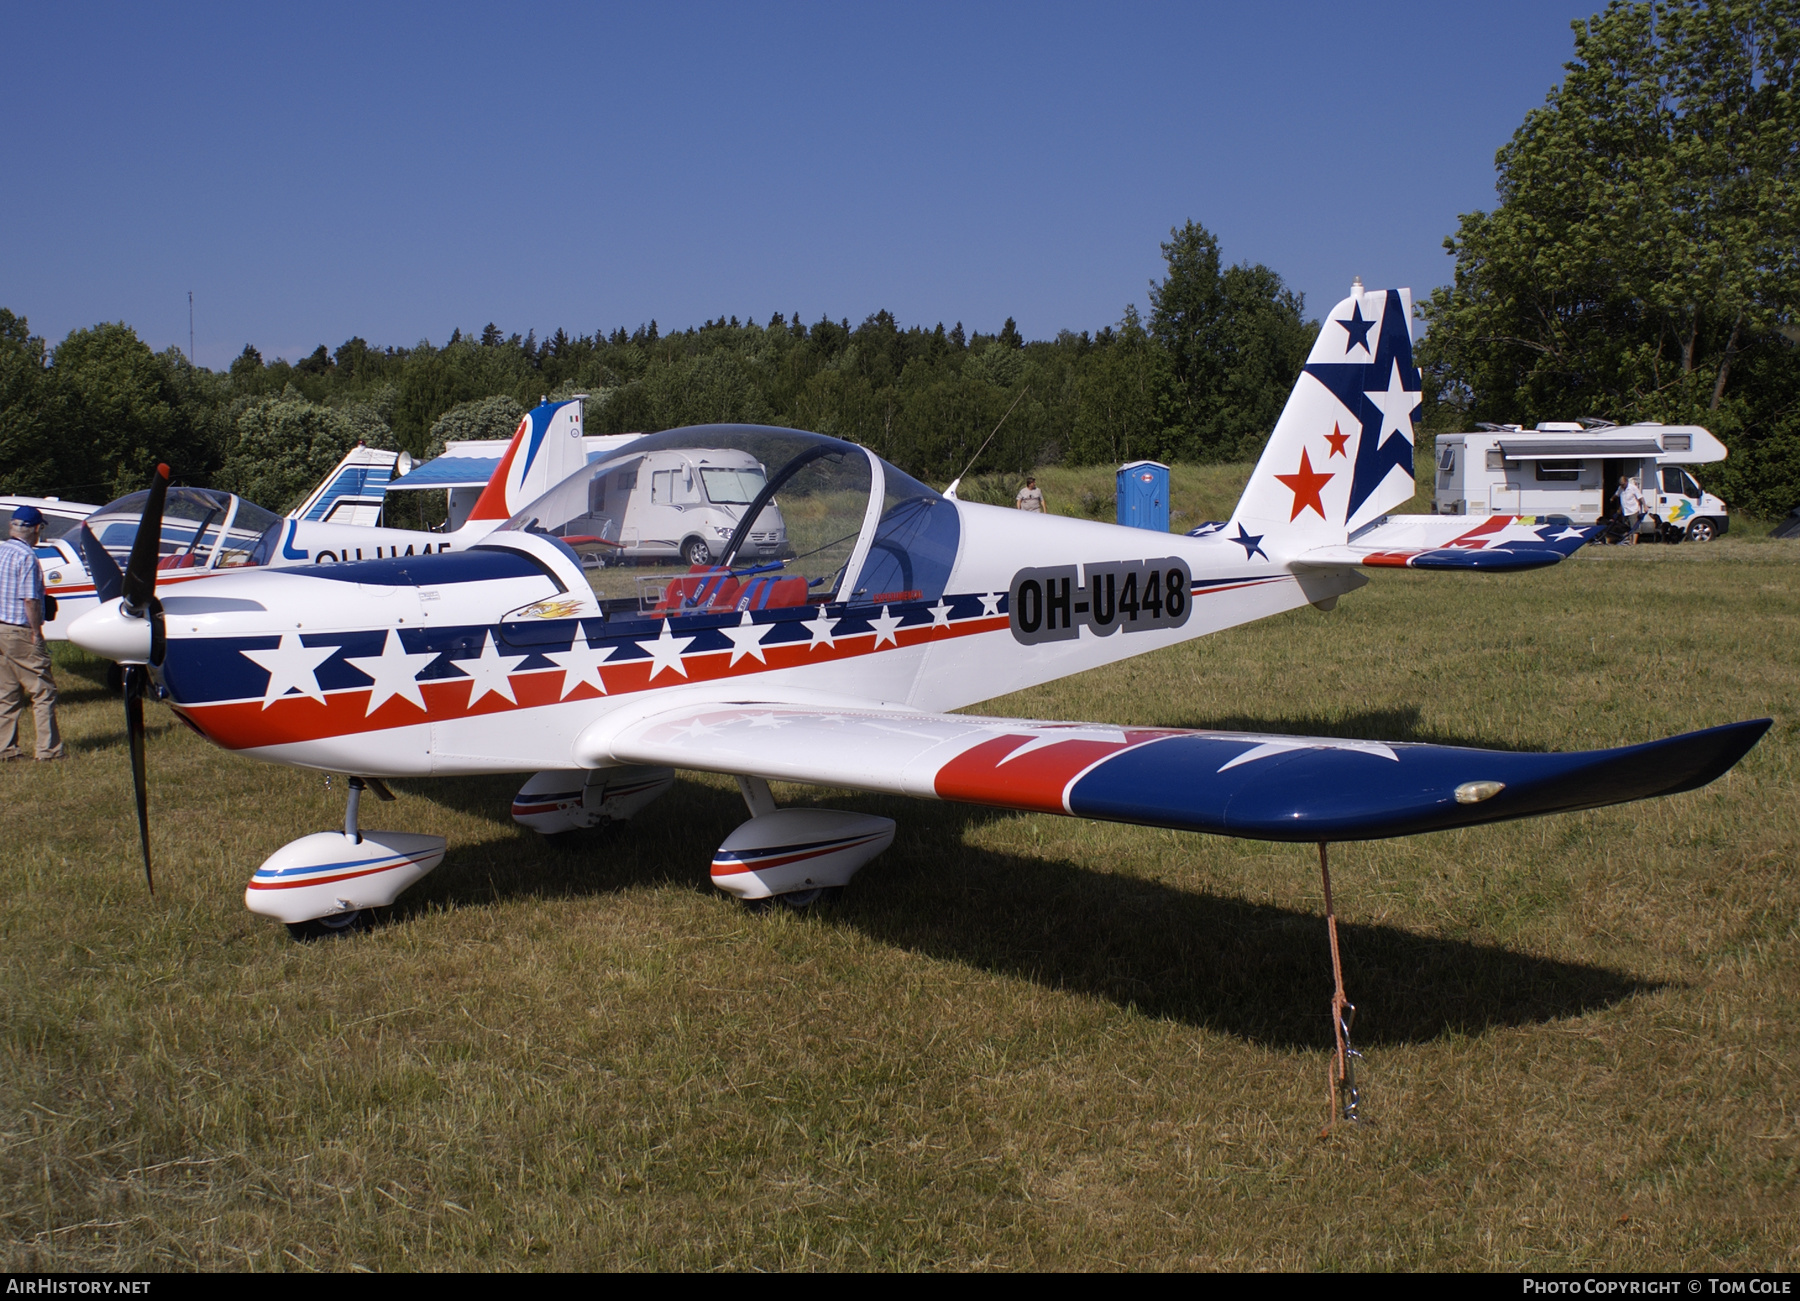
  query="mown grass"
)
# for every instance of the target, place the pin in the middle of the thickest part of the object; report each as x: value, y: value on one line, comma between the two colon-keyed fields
x: 1018, y: 1041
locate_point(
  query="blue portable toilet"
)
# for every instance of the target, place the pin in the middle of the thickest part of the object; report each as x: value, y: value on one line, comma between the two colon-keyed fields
x: 1143, y: 496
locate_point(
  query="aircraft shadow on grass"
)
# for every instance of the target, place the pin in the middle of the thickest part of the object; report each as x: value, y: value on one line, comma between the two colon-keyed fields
x: 1256, y: 971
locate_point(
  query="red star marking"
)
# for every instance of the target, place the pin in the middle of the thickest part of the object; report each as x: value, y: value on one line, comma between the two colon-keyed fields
x: 1305, y: 485
x: 1337, y: 441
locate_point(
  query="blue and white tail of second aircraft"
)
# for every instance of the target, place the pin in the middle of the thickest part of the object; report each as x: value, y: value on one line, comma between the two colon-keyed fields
x: 1341, y: 458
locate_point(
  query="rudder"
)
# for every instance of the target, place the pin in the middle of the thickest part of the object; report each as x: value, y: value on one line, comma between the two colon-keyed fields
x: 1342, y: 451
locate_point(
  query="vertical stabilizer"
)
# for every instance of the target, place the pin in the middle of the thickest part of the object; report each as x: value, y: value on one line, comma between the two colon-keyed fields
x: 545, y: 449
x: 354, y: 491
x: 1342, y: 452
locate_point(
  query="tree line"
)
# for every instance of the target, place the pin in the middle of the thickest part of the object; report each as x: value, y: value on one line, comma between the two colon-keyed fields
x: 1202, y: 379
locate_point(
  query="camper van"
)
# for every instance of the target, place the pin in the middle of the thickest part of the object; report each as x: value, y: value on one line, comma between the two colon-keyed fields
x: 1572, y: 470
x: 676, y: 503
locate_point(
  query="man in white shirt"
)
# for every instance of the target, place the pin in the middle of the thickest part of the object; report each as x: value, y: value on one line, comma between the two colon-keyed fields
x: 1030, y: 497
x: 1631, y: 508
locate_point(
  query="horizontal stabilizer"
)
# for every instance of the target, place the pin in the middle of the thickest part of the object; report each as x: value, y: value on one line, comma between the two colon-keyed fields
x: 1262, y: 787
x: 1499, y: 542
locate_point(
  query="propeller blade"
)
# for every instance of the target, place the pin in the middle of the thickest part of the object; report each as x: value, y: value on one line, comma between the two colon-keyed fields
x: 102, y: 568
x: 140, y: 570
x: 135, y: 677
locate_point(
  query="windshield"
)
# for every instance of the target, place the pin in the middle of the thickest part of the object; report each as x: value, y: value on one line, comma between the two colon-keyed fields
x: 733, y: 487
x: 202, y: 528
x: 798, y: 518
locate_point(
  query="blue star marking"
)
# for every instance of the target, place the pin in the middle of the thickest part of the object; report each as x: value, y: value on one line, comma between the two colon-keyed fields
x: 1350, y: 382
x: 1358, y: 330
x: 1251, y: 543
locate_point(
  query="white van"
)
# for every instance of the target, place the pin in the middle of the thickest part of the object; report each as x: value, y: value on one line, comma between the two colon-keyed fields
x: 1572, y: 471
x: 684, y: 503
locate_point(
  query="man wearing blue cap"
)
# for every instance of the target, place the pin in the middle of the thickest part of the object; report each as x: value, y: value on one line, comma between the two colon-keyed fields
x: 24, y: 659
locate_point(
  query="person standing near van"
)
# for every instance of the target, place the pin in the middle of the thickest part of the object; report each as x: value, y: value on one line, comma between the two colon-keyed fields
x: 1631, y: 508
x: 1030, y: 497
x: 24, y: 659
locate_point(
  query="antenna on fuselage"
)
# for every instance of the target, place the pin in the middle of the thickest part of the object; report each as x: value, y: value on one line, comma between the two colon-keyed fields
x: 950, y: 492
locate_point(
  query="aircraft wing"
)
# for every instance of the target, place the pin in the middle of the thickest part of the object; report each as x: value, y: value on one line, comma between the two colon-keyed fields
x: 1452, y: 542
x: 1263, y: 787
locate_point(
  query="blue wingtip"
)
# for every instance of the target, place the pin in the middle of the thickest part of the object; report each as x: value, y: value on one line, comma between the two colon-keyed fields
x: 1326, y: 790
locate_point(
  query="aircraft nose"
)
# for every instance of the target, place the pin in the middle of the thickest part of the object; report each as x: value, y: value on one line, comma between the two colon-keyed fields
x: 107, y: 631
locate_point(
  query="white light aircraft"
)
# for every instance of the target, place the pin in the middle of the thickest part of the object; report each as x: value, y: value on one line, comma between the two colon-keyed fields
x: 205, y: 531
x: 836, y: 662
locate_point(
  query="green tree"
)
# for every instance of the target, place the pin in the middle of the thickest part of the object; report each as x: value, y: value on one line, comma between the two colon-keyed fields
x: 284, y: 445
x: 496, y: 417
x: 1644, y: 258
x: 1235, y: 339
x: 122, y: 412
x: 28, y: 450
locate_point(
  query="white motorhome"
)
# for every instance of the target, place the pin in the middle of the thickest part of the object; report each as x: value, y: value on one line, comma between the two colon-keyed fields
x: 679, y: 503
x: 1573, y: 471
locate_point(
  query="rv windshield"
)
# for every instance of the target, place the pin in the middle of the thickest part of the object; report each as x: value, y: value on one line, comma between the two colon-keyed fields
x: 732, y: 487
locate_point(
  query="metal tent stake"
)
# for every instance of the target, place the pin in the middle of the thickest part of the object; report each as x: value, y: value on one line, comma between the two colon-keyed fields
x: 1341, y: 1093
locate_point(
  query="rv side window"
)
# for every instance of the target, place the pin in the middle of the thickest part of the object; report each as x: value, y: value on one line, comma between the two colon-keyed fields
x: 1693, y: 488
x: 1558, y: 471
x: 1678, y: 442
x: 1671, y: 478
x: 672, y: 487
x: 1447, y: 459
x: 1495, y: 461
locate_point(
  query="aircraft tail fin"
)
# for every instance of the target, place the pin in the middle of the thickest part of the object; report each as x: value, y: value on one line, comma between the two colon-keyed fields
x: 1341, y: 455
x: 354, y: 491
x: 545, y: 449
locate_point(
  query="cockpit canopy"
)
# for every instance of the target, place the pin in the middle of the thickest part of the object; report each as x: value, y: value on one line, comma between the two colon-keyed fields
x: 798, y: 518
x: 202, y: 528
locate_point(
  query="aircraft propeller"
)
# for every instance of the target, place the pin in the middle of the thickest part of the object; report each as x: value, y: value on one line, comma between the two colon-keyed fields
x: 137, y: 590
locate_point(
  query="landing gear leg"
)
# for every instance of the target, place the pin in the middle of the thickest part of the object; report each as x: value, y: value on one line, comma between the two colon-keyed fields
x: 1341, y: 1095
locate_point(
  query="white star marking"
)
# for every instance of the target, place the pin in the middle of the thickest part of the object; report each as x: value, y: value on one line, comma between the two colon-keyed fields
x: 292, y: 667
x: 695, y: 728
x: 581, y: 663
x: 885, y: 627
x: 821, y: 630
x: 1275, y: 745
x: 940, y: 614
x: 765, y: 721
x: 1396, y: 407
x: 1566, y: 534
x: 990, y: 604
x: 491, y: 672
x: 1041, y: 740
x: 394, y: 672
x: 665, y: 652
x: 747, y: 638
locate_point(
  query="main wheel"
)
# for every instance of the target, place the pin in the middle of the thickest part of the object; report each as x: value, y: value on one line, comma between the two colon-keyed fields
x: 1701, y: 530
x: 330, y: 928
x: 696, y: 552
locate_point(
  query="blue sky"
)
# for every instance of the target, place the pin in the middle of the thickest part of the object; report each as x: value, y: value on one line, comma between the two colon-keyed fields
x: 396, y: 172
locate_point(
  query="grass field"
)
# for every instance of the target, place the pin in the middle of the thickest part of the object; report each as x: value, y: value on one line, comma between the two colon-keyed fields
x: 1018, y: 1041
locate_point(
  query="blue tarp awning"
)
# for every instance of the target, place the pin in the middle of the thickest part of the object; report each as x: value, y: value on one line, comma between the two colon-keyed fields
x: 449, y: 472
